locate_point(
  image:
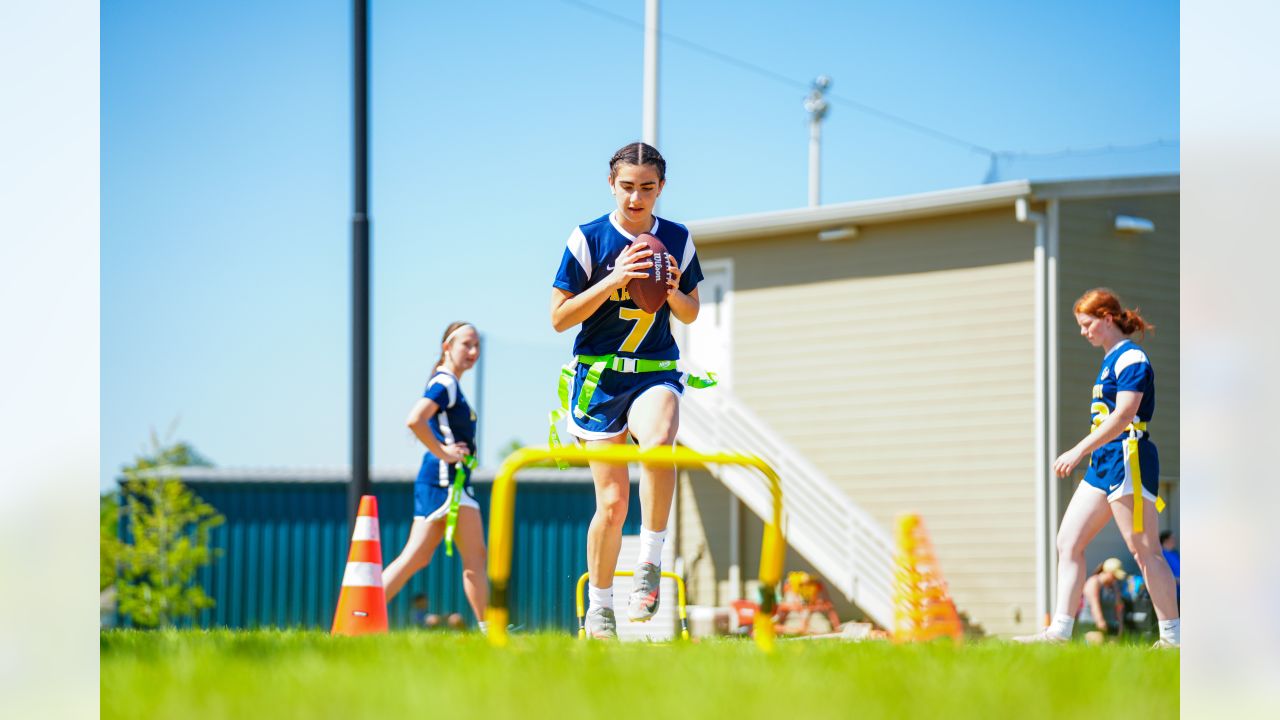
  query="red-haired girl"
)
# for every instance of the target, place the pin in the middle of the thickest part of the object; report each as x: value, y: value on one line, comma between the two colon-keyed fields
x: 1123, y: 478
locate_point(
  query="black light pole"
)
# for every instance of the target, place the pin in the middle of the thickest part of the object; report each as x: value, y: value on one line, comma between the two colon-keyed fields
x: 360, y: 266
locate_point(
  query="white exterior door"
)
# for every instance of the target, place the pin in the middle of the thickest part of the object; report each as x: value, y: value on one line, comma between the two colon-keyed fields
x: 708, y: 344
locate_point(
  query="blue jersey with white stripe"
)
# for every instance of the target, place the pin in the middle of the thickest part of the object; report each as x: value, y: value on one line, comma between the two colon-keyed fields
x: 453, y: 422
x: 619, y: 326
x: 1125, y: 368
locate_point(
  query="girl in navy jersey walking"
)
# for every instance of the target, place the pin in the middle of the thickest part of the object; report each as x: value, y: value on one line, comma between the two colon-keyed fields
x: 444, y: 422
x: 1123, y: 479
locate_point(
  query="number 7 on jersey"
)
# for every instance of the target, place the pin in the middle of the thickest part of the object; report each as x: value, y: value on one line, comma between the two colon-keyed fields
x: 643, y: 321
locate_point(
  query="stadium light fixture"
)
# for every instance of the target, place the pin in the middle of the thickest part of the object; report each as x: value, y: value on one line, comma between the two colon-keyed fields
x: 816, y: 105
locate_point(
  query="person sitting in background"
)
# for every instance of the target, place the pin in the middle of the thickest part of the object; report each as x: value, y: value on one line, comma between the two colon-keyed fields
x: 1103, y: 601
x: 1140, y: 613
x: 422, y: 617
x: 1169, y: 545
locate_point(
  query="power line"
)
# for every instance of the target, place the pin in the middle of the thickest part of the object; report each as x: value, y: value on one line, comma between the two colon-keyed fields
x: 860, y: 106
x: 783, y: 79
x: 742, y: 64
x: 1086, y: 152
x: 913, y: 125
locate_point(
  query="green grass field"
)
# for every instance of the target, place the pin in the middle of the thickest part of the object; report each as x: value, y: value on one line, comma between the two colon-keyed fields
x: 304, y: 674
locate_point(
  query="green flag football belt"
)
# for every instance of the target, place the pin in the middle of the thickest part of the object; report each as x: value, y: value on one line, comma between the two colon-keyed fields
x: 596, y: 366
x: 455, y: 496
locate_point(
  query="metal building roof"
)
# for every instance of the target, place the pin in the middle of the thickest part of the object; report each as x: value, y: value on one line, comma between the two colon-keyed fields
x: 920, y: 205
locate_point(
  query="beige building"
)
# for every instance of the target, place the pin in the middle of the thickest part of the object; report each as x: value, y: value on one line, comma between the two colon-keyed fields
x: 918, y: 354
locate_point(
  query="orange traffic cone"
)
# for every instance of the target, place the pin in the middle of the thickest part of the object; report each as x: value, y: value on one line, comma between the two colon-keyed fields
x: 362, y: 604
x: 923, y: 608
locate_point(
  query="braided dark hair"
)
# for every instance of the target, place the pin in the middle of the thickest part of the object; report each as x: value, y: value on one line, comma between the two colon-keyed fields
x: 638, y: 153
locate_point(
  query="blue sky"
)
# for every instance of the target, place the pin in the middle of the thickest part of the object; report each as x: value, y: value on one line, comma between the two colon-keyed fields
x: 226, y: 161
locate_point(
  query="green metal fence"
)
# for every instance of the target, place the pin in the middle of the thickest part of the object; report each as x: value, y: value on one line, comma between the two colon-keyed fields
x: 284, y: 547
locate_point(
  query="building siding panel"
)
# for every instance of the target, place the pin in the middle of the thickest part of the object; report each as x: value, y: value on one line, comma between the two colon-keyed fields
x: 900, y: 363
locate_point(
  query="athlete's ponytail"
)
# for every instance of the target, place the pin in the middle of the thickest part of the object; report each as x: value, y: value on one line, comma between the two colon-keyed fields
x: 1131, y: 322
x: 1102, y: 303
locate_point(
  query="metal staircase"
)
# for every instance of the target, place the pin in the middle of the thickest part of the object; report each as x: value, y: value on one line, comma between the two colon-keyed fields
x: 821, y: 522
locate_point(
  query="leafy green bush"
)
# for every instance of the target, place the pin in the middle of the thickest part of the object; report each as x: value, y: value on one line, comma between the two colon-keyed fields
x: 166, y: 539
x: 108, y: 539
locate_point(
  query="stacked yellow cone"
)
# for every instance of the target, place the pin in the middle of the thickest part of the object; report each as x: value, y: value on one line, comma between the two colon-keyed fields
x: 922, y: 607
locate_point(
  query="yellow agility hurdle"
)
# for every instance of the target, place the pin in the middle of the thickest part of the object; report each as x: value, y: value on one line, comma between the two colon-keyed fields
x: 502, y: 507
x: 680, y: 601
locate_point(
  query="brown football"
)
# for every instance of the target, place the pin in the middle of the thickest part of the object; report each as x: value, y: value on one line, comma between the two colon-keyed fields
x: 650, y: 293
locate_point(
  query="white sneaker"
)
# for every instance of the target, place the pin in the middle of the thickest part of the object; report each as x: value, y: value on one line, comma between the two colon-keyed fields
x: 601, y: 625
x: 1044, y: 636
x: 1162, y: 643
x: 643, y: 602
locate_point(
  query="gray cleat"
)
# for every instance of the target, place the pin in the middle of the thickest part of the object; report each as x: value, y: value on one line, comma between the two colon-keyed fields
x: 601, y: 624
x: 643, y: 602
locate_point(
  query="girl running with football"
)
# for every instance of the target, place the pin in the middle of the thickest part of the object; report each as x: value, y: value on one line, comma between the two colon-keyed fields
x: 624, y: 378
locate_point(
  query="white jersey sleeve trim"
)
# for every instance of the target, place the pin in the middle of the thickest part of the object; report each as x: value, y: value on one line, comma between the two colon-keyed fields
x: 580, y: 250
x: 450, y: 387
x: 688, y: 253
x: 1132, y: 356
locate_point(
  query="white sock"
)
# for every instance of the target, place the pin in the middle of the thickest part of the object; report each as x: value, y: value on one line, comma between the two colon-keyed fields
x: 1171, y: 631
x: 599, y: 597
x: 484, y: 626
x: 1061, y: 626
x: 651, y: 546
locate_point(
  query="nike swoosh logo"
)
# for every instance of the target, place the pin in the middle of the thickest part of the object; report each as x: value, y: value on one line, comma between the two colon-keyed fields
x: 608, y: 267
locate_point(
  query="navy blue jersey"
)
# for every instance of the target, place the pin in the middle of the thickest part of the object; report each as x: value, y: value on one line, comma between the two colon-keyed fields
x: 453, y: 422
x: 1125, y: 368
x: 619, y: 326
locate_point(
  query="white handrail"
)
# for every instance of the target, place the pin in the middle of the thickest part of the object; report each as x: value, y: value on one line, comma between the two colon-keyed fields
x: 822, y: 523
